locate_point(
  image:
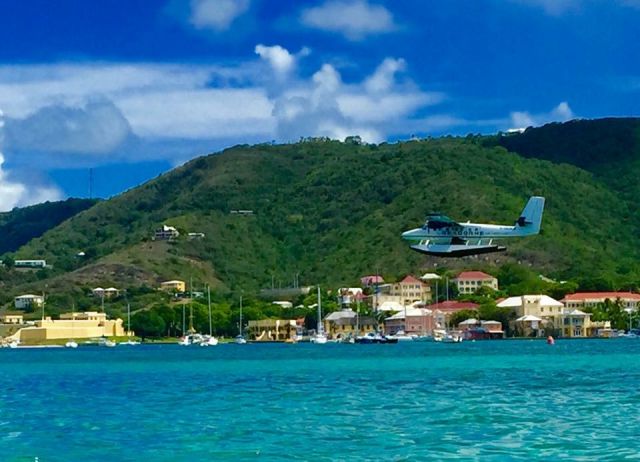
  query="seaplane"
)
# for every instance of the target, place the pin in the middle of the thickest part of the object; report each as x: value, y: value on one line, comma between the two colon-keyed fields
x: 442, y: 237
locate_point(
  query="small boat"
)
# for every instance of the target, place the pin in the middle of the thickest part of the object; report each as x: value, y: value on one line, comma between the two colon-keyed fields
x: 209, y: 340
x: 239, y: 339
x: 320, y: 337
x: 400, y: 336
x: 375, y: 337
x: 107, y: 343
x: 129, y: 342
x: 71, y: 344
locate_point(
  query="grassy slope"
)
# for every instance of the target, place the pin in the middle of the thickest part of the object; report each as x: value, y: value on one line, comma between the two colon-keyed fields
x: 333, y: 212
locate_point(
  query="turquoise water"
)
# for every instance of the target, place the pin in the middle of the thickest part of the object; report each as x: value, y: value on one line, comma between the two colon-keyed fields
x: 501, y: 400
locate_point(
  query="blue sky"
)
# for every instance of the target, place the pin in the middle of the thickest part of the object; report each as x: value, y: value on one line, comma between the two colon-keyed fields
x: 133, y: 88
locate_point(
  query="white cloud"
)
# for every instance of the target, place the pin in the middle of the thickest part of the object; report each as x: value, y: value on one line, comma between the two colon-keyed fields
x: 327, y: 106
x: 216, y: 14
x: 97, y: 128
x: 561, y: 7
x: 383, y: 78
x: 17, y: 194
x: 561, y: 113
x: 65, y: 113
x: 280, y: 60
x: 355, y: 19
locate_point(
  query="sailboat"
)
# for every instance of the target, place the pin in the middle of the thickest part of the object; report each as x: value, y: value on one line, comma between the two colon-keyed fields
x: 209, y: 340
x: 129, y: 341
x: 240, y: 340
x: 320, y: 336
x: 72, y: 343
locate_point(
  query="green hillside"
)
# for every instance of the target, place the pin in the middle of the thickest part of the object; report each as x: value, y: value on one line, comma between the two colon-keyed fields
x: 334, y: 211
x: 20, y: 225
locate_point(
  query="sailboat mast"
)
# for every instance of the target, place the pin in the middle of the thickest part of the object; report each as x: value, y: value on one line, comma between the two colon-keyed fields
x: 319, y: 328
x: 240, y: 324
x: 209, y: 303
x: 128, y: 319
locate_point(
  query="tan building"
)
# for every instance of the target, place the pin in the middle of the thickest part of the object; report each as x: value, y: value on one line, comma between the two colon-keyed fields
x: 90, y: 324
x: 583, y: 300
x: 272, y: 330
x: 174, y: 286
x: 12, y: 319
x: 407, y: 291
x: 542, y: 315
x: 468, y: 282
x: 23, y: 302
x: 346, y: 323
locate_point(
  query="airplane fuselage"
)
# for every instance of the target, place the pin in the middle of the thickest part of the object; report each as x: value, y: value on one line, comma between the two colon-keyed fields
x: 464, y: 231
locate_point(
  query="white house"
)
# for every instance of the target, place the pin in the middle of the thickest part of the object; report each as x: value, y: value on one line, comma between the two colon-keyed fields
x: 22, y: 302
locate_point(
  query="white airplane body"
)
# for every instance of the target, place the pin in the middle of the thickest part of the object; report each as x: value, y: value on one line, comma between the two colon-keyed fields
x: 441, y: 236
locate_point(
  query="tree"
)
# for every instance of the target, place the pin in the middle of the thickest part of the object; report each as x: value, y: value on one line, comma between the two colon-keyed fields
x: 148, y: 323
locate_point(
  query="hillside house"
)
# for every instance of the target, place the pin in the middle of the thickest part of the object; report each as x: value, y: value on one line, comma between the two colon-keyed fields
x: 468, y: 282
x: 28, y: 301
x: 166, y: 233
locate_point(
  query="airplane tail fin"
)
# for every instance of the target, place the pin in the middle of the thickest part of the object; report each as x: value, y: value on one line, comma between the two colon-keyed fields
x: 531, y: 217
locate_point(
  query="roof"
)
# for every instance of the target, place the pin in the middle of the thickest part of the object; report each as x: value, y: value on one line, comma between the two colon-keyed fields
x: 342, y: 314
x: 469, y: 322
x: 367, y: 280
x: 580, y: 296
x: 515, y: 302
x: 409, y: 279
x: 391, y: 306
x: 528, y: 318
x: 429, y: 276
x: 175, y: 281
x: 474, y: 275
x: 413, y: 312
x: 453, y: 305
x: 574, y: 313
x: 29, y: 296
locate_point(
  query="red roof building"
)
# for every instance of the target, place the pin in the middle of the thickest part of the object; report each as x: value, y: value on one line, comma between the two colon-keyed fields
x: 468, y: 282
x: 591, y: 299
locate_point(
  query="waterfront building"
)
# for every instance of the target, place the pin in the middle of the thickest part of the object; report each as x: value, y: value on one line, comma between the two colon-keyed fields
x: 272, y: 330
x: 468, y: 282
x: 583, y: 300
x: 412, y: 320
x: 28, y: 301
x: 542, y: 315
x: 89, y: 324
x: 347, y: 322
x: 174, y: 286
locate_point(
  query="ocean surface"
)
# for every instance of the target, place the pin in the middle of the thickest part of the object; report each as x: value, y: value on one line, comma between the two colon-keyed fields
x: 499, y: 400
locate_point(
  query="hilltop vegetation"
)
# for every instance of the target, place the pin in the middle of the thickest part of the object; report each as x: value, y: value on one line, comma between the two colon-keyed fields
x: 23, y: 224
x: 334, y: 211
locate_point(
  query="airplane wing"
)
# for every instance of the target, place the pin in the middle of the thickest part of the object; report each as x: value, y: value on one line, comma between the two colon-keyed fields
x: 456, y: 247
